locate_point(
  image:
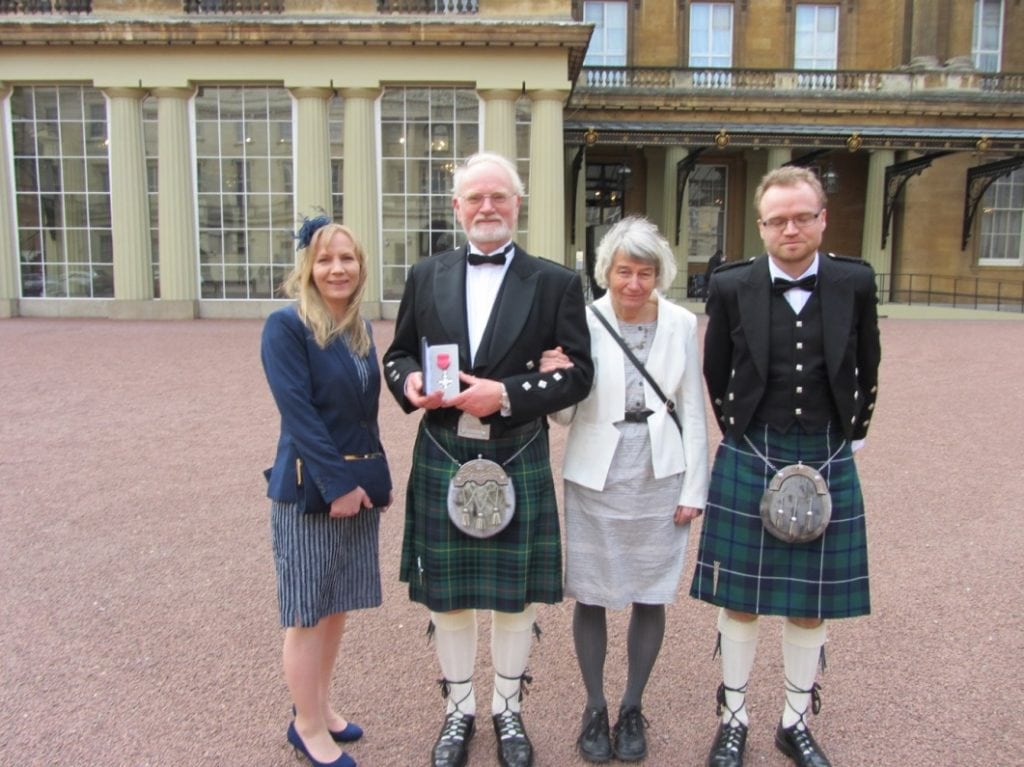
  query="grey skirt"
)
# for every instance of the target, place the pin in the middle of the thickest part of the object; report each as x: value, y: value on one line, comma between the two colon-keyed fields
x: 324, y: 565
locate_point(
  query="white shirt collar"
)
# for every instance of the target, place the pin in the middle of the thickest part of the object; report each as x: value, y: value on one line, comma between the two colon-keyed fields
x: 774, y: 271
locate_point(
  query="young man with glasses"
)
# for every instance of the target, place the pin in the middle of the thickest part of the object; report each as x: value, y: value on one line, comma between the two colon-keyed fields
x: 791, y: 356
x: 502, y: 308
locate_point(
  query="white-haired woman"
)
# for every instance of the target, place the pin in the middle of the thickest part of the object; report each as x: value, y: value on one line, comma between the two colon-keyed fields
x: 329, y: 480
x: 635, y: 475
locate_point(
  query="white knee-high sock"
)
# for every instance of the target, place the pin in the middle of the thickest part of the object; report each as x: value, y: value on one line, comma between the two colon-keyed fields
x: 801, y: 650
x: 511, y: 641
x: 455, y: 640
x: 739, y: 646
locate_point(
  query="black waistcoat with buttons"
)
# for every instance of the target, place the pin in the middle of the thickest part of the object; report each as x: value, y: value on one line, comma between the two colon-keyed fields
x: 798, y: 391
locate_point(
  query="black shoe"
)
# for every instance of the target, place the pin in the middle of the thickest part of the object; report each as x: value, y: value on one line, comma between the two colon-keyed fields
x: 594, y: 743
x: 727, y: 750
x: 514, y: 748
x: 452, y: 746
x: 799, y: 745
x: 629, y: 741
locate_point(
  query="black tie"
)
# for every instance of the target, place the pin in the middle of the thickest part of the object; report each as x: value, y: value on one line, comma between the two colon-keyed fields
x: 780, y: 284
x: 498, y: 259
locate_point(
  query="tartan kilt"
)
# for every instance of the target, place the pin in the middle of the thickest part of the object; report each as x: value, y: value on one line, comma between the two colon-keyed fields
x: 449, y: 570
x: 742, y: 567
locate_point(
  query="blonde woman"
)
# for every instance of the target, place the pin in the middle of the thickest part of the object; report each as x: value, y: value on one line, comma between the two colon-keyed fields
x: 329, y: 481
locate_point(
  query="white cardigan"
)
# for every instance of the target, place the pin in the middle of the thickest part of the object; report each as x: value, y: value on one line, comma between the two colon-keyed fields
x: 673, y: 363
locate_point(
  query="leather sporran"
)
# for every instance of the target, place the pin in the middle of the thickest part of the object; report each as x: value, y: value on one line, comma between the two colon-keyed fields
x: 796, y: 506
x: 481, y: 498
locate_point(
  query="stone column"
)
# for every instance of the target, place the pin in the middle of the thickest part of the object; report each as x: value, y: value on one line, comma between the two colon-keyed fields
x: 500, y: 122
x: 777, y: 157
x: 10, y: 276
x: 546, y: 235
x: 129, y: 203
x: 576, y: 238
x: 871, y: 249
x: 313, y: 151
x: 176, y: 216
x: 674, y: 217
x: 361, y: 186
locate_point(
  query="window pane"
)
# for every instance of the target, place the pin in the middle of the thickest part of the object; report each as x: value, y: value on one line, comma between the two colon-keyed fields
x: 245, y: 188
x: 1002, y: 217
x: 710, y: 35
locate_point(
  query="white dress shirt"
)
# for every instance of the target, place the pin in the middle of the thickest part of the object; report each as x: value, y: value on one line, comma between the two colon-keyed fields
x: 797, y: 297
x: 482, y: 285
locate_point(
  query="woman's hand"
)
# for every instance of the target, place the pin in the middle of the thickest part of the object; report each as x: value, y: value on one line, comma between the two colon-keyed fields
x: 351, y: 503
x: 554, y: 359
x: 686, y: 514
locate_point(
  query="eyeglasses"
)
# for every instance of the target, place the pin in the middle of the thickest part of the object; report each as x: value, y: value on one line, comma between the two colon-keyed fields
x: 497, y: 199
x: 779, y: 223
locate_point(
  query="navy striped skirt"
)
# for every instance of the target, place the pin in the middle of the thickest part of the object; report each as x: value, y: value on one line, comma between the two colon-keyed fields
x: 449, y: 570
x: 742, y: 567
x: 324, y: 565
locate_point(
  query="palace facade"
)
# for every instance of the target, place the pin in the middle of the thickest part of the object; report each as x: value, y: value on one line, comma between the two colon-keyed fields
x: 157, y: 156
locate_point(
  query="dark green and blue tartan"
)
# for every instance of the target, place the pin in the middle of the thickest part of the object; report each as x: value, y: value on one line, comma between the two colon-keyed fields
x: 449, y: 570
x: 742, y: 567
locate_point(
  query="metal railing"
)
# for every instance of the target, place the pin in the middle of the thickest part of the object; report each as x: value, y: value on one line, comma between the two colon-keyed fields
x: 816, y: 81
x: 428, y: 6
x: 955, y: 292
x: 45, y: 6
x: 233, y: 6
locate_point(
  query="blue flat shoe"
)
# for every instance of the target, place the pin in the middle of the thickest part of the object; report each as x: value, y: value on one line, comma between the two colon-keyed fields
x: 350, y: 734
x: 300, y: 748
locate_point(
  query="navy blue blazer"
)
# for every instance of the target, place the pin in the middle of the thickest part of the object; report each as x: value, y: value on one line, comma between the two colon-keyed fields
x: 325, y: 411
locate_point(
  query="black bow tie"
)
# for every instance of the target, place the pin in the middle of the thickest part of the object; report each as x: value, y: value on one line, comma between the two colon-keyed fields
x: 780, y: 284
x: 498, y: 259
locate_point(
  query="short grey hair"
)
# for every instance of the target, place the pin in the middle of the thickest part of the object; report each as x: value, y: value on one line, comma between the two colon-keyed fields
x: 640, y: 240
x: 495, y: 159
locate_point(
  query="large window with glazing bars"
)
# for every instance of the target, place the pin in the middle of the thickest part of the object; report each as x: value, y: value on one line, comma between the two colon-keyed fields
x: 246, y: 194
x: 62, y: 192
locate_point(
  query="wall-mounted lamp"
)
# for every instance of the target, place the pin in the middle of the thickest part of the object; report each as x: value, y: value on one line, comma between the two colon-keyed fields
x: 829, y: 180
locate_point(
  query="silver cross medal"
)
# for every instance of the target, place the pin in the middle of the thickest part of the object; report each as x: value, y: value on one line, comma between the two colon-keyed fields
x: 443, y: 361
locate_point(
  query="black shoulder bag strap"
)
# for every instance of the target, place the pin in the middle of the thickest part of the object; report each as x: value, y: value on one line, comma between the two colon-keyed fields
x: 639, y: 366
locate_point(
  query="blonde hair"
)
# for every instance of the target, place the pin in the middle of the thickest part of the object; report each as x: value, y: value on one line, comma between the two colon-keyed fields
x: 790, y: 176
x: 313, y: 311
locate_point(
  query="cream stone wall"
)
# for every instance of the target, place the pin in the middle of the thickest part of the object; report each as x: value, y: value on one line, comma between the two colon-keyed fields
x: 931, y: 223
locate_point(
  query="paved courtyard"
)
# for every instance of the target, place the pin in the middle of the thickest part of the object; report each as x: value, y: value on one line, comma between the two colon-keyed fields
x: 138, y: 621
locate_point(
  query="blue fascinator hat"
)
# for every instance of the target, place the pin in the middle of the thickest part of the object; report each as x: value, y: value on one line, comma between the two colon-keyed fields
x: 309, y: 227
